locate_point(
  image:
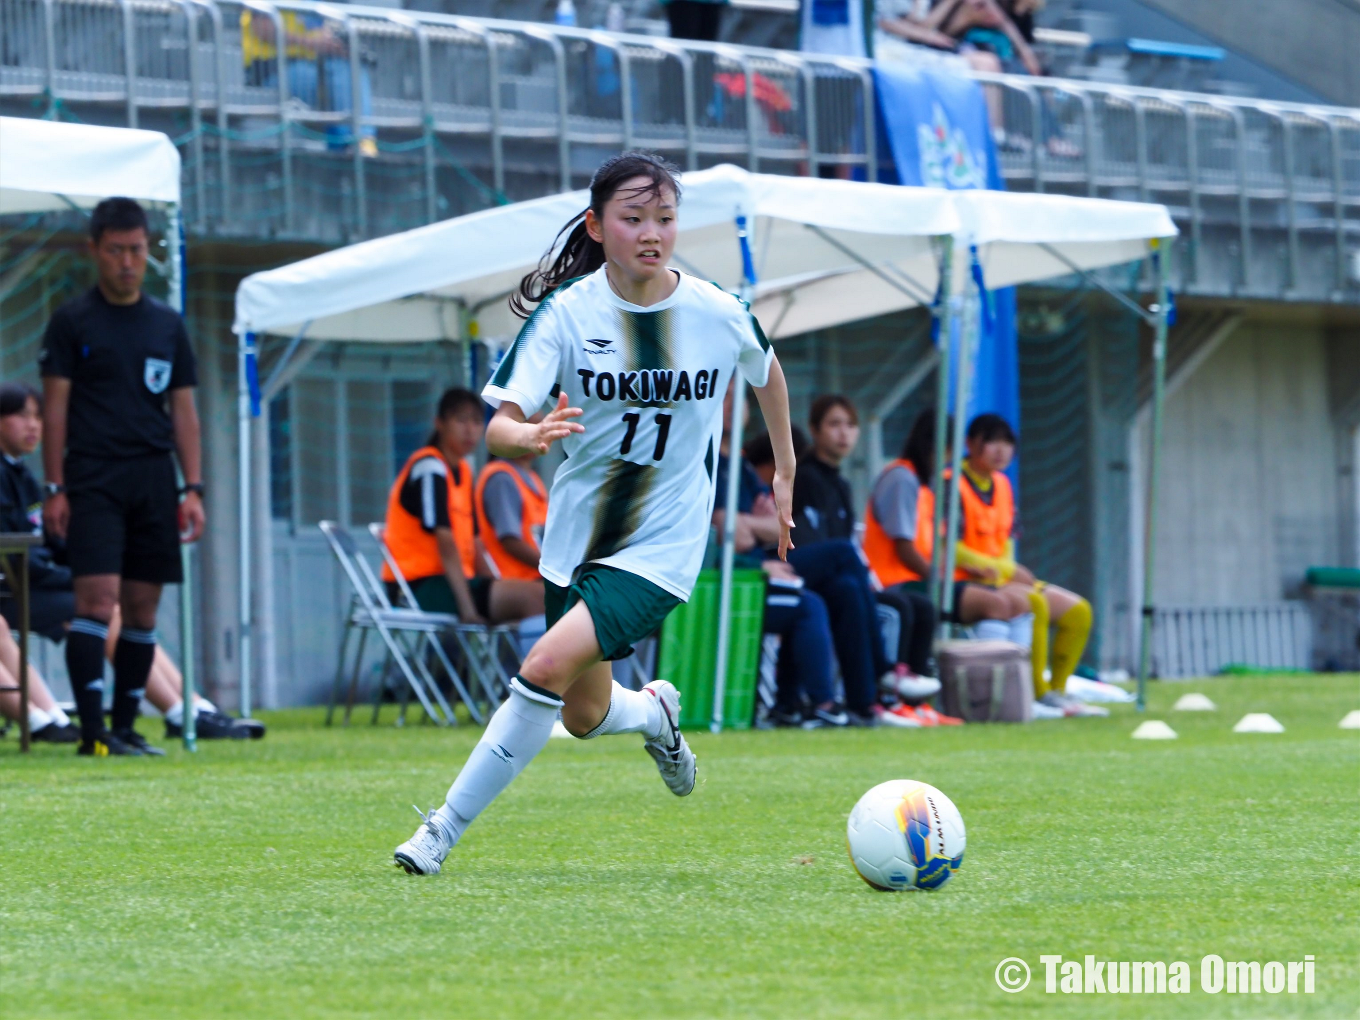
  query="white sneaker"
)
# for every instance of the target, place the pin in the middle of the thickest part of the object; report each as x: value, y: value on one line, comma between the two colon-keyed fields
x: 908, y: 685
x: 1071, y: 706
x: 886, y: 717
x: 1042, y: 711
x: 674, y: 760
x: 424, y: 852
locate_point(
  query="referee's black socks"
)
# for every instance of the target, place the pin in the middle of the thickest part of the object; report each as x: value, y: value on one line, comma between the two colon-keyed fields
x: 132, y: 658
x: 85, y: 666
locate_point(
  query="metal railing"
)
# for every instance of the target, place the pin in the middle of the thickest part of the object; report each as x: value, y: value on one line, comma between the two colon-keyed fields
x: 1202, y: 640
x: 457, y: 113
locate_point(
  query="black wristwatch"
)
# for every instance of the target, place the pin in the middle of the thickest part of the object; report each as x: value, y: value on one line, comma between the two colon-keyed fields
x: 194, y: 487
x: 54, y: 489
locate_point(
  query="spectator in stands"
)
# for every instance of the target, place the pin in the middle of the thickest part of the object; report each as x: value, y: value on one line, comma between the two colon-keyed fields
x: 834, y: 27
x: 52, y: 602
x: 695, y: 19
x: 512, y: 508
x: 987, y: 550
x: 824, y: 505
x: 988, y: 34
x: 431, y: 525
x: 47, y: 721
x: 898, y: 542
x: 317, y: 59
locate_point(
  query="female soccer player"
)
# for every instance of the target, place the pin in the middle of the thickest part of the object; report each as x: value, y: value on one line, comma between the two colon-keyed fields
x: 641, y: 354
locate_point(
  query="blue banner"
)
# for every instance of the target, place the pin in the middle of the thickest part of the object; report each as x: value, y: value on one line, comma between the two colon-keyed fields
x: 936, y: 126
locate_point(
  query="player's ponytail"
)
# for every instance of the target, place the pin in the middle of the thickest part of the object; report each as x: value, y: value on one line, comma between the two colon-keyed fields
x: 580, y: 254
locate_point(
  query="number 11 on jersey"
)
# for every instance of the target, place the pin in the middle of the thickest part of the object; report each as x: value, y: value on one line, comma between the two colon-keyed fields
x: 663, y: 429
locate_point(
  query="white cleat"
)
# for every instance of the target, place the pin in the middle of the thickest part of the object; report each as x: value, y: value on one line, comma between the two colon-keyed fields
x: 424, y: 852
x: 674, y: 760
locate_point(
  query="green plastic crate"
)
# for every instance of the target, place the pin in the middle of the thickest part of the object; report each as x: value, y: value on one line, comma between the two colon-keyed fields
x: 689, y: 650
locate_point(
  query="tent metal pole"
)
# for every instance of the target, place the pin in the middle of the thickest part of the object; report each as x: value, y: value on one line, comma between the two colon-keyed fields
x: 962, y: 391
x: 179, y: 302
x: 1160, y: 255
x: 729, y: 536
x: 944, y: 317
x: 245, y: 354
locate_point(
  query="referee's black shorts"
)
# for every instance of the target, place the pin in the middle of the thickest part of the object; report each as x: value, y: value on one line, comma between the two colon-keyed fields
x: 124, y: 519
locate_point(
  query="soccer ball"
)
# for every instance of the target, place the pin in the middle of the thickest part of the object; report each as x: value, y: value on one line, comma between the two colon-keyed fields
x: 905, y: 835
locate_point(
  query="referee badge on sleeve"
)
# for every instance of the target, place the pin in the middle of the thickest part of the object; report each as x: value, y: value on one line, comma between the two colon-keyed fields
x: 157, y: 375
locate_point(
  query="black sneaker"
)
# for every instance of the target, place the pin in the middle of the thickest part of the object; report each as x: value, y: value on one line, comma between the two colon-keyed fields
x: 55, y: 733
x: 785, y: 720
x: 861, y: 721
x: 834, y: 717
x: 218, y: 726
x: 107, y: 745
x: 134, y: 739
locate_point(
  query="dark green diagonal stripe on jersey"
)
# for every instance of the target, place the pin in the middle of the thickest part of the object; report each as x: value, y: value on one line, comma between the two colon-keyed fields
x: 648, y: 336
x: 618, y: 507
x: 507, y: 366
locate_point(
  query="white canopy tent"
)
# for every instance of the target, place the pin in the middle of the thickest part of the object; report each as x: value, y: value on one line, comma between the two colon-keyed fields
x: 808, y: 253
x: 47, y: 166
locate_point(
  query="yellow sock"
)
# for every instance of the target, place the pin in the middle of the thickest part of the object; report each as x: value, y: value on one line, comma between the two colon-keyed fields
x: 1074, y: 628
x: 1038, y: 651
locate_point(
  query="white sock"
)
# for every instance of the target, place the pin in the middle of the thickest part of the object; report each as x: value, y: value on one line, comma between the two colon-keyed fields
x: 202, y: 705
x: 58, y: 716
x: 37, y: 719
x: 631, y: 712
x: 515, y: 734
x: 174, y: 715
x: 992, y: 630
x: 1022, y: 630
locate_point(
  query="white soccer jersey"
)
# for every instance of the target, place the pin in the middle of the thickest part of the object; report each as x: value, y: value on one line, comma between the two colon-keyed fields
x: 636, y: 489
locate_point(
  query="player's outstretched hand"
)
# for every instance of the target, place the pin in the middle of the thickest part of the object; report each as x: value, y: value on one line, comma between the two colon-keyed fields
x: 783, y: 505
x: 556, y: 424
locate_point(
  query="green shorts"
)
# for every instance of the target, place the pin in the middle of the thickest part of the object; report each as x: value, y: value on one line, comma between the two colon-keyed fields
x: 624, y: 607
x: 434, y: 594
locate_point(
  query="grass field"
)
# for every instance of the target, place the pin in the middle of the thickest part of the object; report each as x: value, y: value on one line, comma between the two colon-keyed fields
x: 257, y: 879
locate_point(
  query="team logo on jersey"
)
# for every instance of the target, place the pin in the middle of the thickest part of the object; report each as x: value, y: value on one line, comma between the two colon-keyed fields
x: 157, y: 375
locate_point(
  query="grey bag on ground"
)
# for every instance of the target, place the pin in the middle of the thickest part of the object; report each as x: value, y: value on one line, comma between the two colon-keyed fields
x: 986, y: 681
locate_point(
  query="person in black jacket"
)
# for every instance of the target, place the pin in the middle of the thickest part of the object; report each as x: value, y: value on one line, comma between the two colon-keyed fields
x: 52, y: 603
x: 824, y: 511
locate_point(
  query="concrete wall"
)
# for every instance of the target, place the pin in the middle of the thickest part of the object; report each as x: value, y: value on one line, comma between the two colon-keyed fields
x: 1255, y: 466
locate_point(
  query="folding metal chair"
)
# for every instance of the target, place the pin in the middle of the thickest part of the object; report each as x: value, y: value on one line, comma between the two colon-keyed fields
x: 406, y: 633
x: 481, y: 645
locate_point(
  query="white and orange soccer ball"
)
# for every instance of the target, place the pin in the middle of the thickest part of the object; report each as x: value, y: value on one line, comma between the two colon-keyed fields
x: 905, y: 835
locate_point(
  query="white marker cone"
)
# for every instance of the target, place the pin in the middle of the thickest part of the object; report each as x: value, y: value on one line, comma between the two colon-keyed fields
x: 1352, y: 720
x: 1194, y: 703
x: 1154, y: 729
x: 1258, y: 722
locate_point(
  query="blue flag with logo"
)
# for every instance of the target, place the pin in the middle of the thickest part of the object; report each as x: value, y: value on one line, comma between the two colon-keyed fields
x: 935, y: 124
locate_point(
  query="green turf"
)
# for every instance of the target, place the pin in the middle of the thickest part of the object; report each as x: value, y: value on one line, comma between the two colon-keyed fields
x: 257, y: 880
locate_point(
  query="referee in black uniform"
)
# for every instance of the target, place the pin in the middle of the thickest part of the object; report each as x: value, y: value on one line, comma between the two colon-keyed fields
x: 118, y: 379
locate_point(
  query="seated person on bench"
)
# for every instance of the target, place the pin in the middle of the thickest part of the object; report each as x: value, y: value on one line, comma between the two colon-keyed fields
x: 898, y: 543
x: 431, y: 526
x: 987, y: 550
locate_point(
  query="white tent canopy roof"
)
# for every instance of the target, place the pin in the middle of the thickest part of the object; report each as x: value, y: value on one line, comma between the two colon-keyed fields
x: 47, y: 165
x: 811, y: 240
